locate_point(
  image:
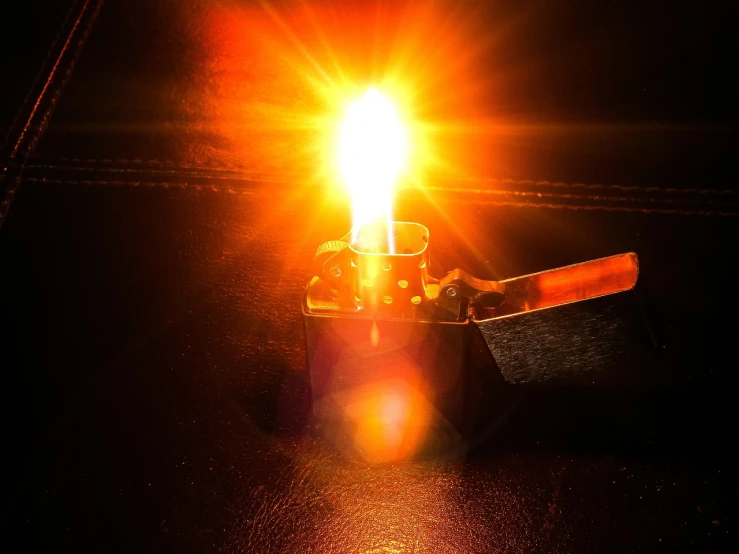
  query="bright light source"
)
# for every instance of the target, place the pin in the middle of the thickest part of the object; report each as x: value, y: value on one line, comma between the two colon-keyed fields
x: 372, y: 150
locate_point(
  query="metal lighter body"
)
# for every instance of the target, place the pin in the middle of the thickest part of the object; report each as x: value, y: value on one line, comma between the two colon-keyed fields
x: 390, y: 374
x: 403, y: 364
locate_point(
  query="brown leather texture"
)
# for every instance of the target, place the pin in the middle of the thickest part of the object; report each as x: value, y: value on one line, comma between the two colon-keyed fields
x: 160, y: 215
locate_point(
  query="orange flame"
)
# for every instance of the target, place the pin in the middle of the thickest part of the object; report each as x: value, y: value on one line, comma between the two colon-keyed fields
x: 371, y: 153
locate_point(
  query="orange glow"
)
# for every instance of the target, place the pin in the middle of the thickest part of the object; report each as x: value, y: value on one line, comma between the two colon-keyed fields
x: 391, y: 420
x: 572, y: 283
x: 374, y: 334
x: 376, y: 401
x: 276, y: 80
x: 268, y: 82
x: 372, y: 147
x: 271, y: 83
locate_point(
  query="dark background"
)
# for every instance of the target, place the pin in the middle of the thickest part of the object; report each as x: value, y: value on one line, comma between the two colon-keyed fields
x: 152, y: 263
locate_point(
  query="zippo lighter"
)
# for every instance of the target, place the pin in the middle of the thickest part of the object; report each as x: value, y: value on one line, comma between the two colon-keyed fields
x: 401, y: 362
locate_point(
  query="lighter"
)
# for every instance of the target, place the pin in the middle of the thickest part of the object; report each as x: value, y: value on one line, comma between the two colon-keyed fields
x: 401, y: 362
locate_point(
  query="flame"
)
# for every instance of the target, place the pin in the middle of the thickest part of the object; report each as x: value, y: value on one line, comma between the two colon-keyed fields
x: 372, y: 152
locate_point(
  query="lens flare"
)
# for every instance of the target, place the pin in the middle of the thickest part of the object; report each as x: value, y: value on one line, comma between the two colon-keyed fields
x: 372, y: 153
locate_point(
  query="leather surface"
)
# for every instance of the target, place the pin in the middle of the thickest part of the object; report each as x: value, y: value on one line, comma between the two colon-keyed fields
x: 154, y: 256
x: 31, y: 40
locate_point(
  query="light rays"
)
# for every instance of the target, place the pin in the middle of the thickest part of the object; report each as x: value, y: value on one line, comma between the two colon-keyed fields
x: 305, y: 60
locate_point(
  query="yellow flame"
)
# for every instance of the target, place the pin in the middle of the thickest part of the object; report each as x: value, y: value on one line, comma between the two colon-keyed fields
x: 372, y: 151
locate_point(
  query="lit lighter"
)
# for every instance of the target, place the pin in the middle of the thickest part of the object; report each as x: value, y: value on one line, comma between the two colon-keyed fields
x: 394, y: 353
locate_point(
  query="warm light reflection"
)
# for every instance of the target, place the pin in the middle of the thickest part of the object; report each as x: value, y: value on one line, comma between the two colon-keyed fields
x: 372, y: 146
x: 571, y: 284
x: 380, y: 395
x: 391, y: 420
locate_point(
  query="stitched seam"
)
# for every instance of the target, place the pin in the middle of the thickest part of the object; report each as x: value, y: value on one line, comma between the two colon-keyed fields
x: 40, y: 72
x: 169, y: 166
x: 516, y: 204
x: 453, y: 190
x: 564, y: 196
x: 611, y: 208
x: 52, y: 74
x: 9, y: 183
